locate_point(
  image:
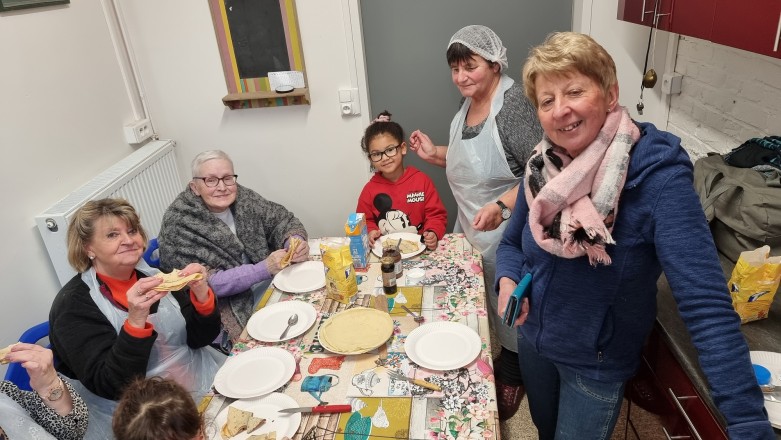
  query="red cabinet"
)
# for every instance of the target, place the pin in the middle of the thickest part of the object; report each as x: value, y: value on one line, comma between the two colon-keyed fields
x: 688, y: 17
x: 663, y: 402
x: 637, y: 11
x: 754, y: 26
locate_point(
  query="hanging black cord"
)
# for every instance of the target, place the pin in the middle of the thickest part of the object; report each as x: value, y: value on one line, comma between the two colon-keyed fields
x: 645, y: 65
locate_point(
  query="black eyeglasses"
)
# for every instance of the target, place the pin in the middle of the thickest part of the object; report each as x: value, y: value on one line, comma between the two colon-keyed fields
x: 390, y: 152
x: 211, y: 182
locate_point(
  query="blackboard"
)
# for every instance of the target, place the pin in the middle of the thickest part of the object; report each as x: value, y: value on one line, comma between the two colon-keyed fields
x: 258, y: 35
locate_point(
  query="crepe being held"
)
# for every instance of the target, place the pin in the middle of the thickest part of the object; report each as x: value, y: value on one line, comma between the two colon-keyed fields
x: 293, y: 245
x: 175, y: 281
x: 4, y: 352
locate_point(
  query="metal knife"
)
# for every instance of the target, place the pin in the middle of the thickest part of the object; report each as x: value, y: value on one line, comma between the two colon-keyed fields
x: 319, y: 409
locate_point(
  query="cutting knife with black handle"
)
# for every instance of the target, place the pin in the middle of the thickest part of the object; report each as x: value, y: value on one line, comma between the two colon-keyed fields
x: 319, y: 409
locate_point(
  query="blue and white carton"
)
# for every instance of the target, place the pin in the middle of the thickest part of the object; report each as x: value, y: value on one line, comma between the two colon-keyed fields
x: 356, y: 231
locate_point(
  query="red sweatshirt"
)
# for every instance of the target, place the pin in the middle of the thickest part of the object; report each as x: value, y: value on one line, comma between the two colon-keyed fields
x: 411, y: 204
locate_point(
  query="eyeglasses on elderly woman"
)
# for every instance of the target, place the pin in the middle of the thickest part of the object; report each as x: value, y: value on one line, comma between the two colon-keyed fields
x: 211, y: 181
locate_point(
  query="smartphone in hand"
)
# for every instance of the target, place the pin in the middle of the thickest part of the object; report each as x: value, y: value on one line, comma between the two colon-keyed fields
x: 513, y: 309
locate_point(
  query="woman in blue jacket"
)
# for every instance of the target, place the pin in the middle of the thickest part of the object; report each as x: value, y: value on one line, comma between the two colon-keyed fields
x: 609, y: 205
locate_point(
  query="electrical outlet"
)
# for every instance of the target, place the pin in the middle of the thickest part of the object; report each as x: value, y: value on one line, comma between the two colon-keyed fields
x: 349, y: 102
x: 138, y: 131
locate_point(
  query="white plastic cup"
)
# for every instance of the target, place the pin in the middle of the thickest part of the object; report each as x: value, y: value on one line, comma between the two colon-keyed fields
x: 415, y: 276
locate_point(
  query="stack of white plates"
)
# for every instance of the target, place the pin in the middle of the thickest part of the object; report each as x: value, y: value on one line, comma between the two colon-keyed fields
x: 771, y: 361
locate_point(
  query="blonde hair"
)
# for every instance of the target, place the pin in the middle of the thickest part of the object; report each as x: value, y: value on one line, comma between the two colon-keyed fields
x: 565, y: 53
x: 81, y: 229
x: 156, y: 409
x: 206, y: 156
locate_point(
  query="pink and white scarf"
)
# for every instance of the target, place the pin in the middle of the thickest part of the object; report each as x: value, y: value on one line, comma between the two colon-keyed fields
x: 574, y: 202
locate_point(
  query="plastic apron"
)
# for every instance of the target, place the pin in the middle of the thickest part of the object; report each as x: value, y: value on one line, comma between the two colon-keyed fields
x: 17, y: 422
x: 478, y: 174
x: 170, y: 357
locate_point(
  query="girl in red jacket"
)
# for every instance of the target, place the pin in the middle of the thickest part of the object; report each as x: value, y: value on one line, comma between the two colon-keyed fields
x: 398, y: 198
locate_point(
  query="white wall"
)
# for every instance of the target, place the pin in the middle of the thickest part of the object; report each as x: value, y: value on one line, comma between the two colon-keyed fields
x: 306, y: 157
x: 727, y: 97
x: 61, y: 114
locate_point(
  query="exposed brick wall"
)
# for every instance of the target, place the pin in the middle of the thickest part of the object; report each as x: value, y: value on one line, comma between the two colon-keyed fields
x: 727, y: 96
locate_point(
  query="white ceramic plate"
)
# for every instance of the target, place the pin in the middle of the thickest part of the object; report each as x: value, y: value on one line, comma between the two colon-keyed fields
x: 355, y: 331
x: 301, y: 277
x: 394, y: 238
x: 268, y: 323
x: 284, y: 424
x: 255, y: 372
x: 442, y: 345
x: 772, y: 361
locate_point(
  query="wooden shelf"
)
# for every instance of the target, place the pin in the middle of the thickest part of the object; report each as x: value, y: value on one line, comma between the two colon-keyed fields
x: 266, y: 99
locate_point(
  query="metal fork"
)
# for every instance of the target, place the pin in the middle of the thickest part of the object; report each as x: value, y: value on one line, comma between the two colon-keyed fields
x: 393, y: 374
x: 416, y: 318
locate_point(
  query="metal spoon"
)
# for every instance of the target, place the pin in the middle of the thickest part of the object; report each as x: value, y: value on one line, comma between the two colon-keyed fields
x: 290, y: 322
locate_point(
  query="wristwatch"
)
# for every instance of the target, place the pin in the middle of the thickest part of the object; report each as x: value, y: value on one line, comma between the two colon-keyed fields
x: 506, y: 213
x: 56, y: 392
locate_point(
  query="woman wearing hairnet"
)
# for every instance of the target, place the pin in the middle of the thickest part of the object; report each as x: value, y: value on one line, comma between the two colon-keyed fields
x: 491, y: 137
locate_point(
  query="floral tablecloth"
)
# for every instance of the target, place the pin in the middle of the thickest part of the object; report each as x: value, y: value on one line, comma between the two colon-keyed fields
x: 465, y: 408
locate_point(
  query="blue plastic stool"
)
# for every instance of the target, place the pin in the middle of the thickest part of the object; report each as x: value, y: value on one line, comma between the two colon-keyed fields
x: 149, y: 255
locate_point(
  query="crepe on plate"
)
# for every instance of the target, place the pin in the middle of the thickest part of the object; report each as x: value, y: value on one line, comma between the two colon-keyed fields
x: 338, y: 333
x: 174, y: 281
x: 240, y: 421
x: 293, y: 244
x: 406, y: 246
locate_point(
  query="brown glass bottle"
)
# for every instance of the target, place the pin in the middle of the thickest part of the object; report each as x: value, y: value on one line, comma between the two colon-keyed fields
x: 388, y: 268
x: 392, y: 252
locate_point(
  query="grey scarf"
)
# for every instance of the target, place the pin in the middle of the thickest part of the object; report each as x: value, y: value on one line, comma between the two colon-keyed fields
x: 191, y: 233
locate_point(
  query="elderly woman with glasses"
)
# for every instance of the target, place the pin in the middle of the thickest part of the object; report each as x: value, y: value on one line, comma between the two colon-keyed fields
x: 239, y: 235
x: 112, y: 323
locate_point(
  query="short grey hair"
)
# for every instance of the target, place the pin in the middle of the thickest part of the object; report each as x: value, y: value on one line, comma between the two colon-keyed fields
x: 206, y: 156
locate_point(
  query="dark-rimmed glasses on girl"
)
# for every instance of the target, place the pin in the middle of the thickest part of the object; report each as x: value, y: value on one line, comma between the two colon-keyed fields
x: 390, y: 152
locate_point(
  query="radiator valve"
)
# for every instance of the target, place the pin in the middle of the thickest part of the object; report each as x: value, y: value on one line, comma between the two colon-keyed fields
x: 51, y: 225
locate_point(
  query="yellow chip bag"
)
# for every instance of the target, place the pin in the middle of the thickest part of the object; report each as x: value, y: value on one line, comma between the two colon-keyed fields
x: 754, y: 283
x: 341, y: 283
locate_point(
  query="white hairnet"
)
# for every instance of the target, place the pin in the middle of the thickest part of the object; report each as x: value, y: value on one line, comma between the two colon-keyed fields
x: 482, y: 41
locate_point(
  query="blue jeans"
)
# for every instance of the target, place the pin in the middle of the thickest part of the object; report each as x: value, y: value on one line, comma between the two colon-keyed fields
x: 564, y: 404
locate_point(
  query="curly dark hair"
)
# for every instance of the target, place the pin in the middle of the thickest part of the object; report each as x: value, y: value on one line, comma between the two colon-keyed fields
x: 377, y: 128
